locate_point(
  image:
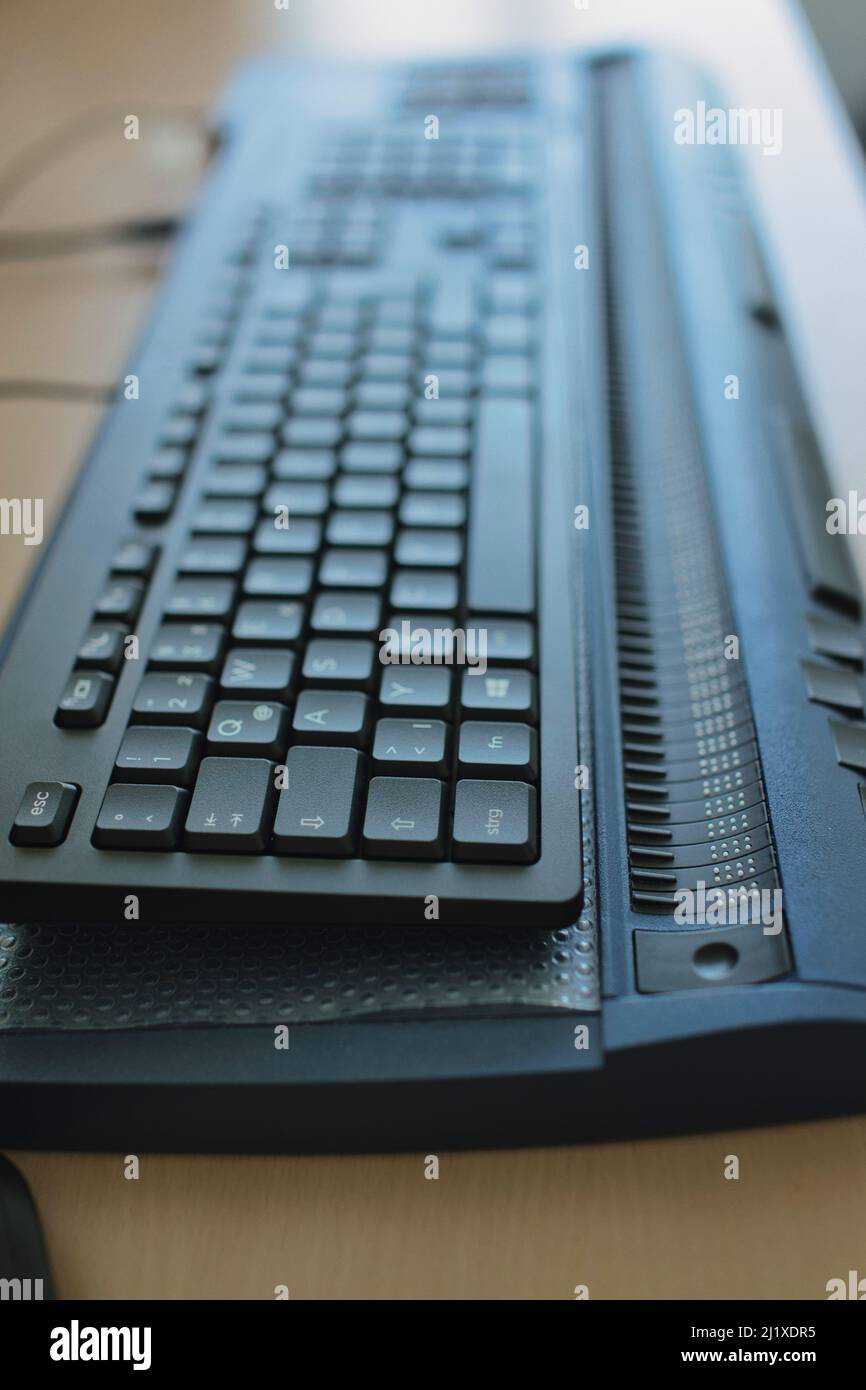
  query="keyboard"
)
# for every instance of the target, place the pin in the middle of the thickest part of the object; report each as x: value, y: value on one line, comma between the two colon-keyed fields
x: 403, y: 582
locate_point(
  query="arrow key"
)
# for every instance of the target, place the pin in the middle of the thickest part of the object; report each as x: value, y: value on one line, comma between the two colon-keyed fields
x: 317, y: 812
x: 411, y: 746
x: 404, y: 819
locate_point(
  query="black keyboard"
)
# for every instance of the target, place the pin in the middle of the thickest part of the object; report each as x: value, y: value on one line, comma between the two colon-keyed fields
x: 315, y: 661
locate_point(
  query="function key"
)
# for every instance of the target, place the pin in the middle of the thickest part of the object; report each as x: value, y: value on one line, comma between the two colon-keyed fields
x: 176, y: 697
x: 506, y: 688
x: 495, y: 822
x: 85, y: 700
x: 140, y: 817
x: 44, y: 814
x: 493, y: 750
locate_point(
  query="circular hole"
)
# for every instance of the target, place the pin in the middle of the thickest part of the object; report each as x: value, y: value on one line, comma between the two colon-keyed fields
x: 715, y: 959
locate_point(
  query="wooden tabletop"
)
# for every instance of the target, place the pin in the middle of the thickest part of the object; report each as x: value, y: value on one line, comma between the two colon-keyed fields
x: 645, y: 1220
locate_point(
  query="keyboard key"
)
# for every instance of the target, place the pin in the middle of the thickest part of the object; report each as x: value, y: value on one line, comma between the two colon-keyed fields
x: 411, y: 747
x: 320, y: 372
x: 261, y: 673
x: 102, y: 647
x: 432, y: 509
x: 370, y: 492
x: 156, y: 754
x: 302, y: 536
x: 340, y: 662
x: 197, y: 646
x: 453, y: 411
x: 270, y: 360
x: 224, y: 517
x: 231, y: 805
x: 354, y: 569
x: 248, y: 729
x: 382, y: 395
x: 495, y: 822
x: 337, y: 611
x: 426, y: 590
x: 436, y: 475
x: 121, y: 598
x: 252, y: 417
x: 265, y: 386
x: 140, y: 817
x: 377, y: 366
x: 44, y: 815
x: 85, y: 700
x: 168, y: 464
x: 419, y: 689
x: 134, y: 557
x: 507, y: 640
x: 833, y: 685
x: 175, y: 697
x: 301, y: 499
x: 501, y: 547
x: 153, y: 502
x: 236, y: 480
x: 377, y: 425
x: 213, y: 555
x: 360, y: 528
x: 371, y: 458
x: 850, y: 744
x: 329, y: 401
x: 448, y: 441
x: 306, y: 432
x: 438, y: 548
x: 496, y: 750
x: 317, y: 812
x: 506, y: 688
x: 260, y: 621
x: 305, y: 465
x: 244, y: 448
x: 507, y: 376
x: 200, y: 598
x: 404, y: 818
x: 332, y: 716
x: 278, y: 577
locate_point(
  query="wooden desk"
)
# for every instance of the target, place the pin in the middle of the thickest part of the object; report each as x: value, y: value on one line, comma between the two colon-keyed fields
x: 649, y: 1220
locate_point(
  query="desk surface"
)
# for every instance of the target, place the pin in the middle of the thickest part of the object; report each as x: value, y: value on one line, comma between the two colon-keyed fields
x: 650, y: 1220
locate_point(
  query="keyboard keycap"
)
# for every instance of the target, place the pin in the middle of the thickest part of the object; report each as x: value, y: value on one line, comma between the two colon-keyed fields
x: 214, y: 555
x: 354, y: 569
x: 301, y: 499
x: 336, y: 611
x: 134, y: 557
x: 501, y: 547
x: 360, y: 493
x: 137, y: 816
x: 231, y: 806
x: 44, y: 815
x: 307, y: 432
x: 450, y: 441
x: 197, y: 646
x: 377, y: 425
x: 436, y: 475
x: 419, y: 689
x: 248, y: 729
x: 431, y: 590
x: 261, y: 621
x: 332, y: 716
x: 302, y: 537
x: 121, y: 598
x: 305, y: 465
x: 154, y: 502
x: 411, y: 747
x: 512, y: 641
x: 259, y: 672
x: 360, y: 528
x: 404, y: 818
x: 223, y: 517
x: 371, y: 458
x: 495, y: 822
x: 278, y: 578
x: 200, y: 598
x: 340, y: 663
x: 442, y: 549
x: 317, y: 812
x: 175, y: 697
x: 85, y: 700
x: 102, y: 647
x: 496, y: 750
x: 235, y: 480
x: 155, y: 754
x: 432, y: 509
x: 504, y: 689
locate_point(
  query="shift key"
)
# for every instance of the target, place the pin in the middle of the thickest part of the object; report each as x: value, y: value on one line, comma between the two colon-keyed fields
x: 231, y: 805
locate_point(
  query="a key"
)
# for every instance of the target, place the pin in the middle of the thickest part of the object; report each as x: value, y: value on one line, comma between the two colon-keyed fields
x: 231, y: 806
x: 140, y: 816
x: 303, y: 536
x: 155, y: 754
x: 505, y: 688
x: 259, y: 673
x: 261, y: 620
x: 200, y: 598
x: 102, y: 647
x: 278, y: 578
x: 332, y: 716
x: 336, y: 611
x: 248, y: 729
x: 354, y: 569
x: 317, y: 811
x: 360, y: 528
x: 213, y: 555
x: 497, y: 750
x: 340, y: 662
x: 173, y: 697
x: 495, y: 822
x: 431, y: 590
x: 45, y: 814
x: 85, y: 700
x: 121, y: 598
x: 440, y: 549
x: 411, y: 747
x: 193, y: 646
x: 418, y: 689
x: 404, y: 818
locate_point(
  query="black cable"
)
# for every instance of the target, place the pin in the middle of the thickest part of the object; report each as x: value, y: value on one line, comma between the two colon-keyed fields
x: 33, y: 389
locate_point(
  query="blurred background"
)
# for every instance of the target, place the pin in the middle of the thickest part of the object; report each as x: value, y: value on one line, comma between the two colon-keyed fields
x: 72, y: 70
